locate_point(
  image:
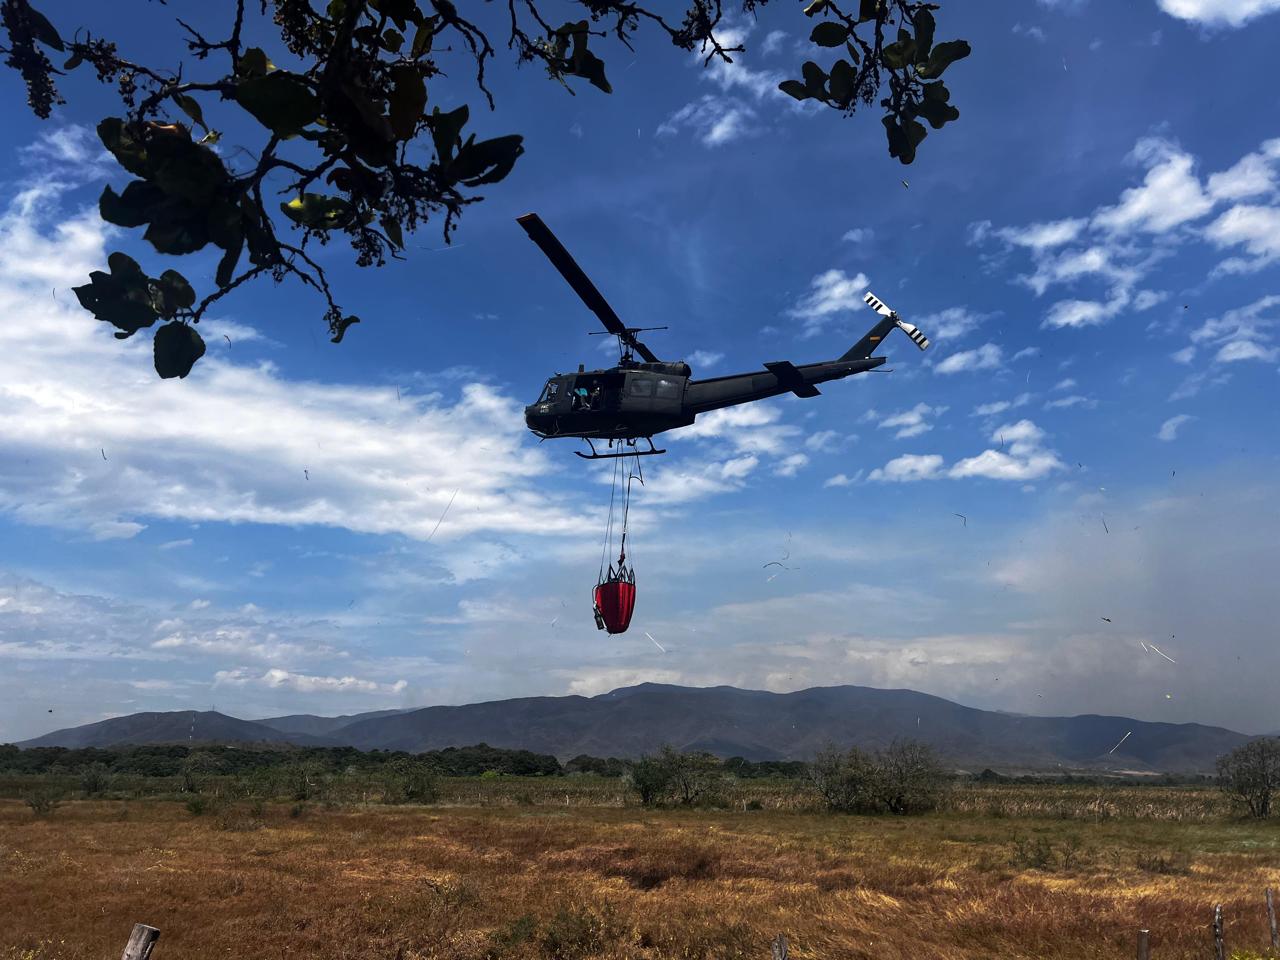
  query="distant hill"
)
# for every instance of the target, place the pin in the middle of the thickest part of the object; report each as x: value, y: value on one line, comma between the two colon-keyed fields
x: 310, y: 724
x: 186, y: 726
x: 727, y: 721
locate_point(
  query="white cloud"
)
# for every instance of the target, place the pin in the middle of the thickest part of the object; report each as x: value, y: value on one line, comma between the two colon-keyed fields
x: 1255, y: 228
x: 1170, y: 194
x: 985, y: 357
x: 830, y: 293
x: 750, y: 427
x: 1033, y: 32
x: 791, y: 465
x: 1084, y: 313
x: 1241, y: 334
x: 909, y: 423
x: 174, y: 544
x: 950, y: 324
x: 1146, y: 299
x: 276, y: 678
x: 705, y: 358
x: 1251, y: 175
x: 858, y: 235
x: 1065, y: 384
x: 1217, y: 13
x: 842, y: 480
x: 375, y: 464
x: 773, y: 41
x: 1042, y: 236
x: 825, y: 441
x: 1021, y: 456
x: 907, y: 468
x: 1076, y: 400
x: 715, y: 120
x: 1169, y: 429
x: 1026, y: 352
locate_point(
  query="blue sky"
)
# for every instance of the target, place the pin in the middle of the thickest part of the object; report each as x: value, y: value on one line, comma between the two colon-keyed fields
x: 1092, y: 248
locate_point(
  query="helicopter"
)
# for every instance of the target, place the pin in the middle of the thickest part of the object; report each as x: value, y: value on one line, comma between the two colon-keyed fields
x: 638, y: 399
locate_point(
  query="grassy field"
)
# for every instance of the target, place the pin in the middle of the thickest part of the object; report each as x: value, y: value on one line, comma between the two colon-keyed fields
x: 1006, y: 871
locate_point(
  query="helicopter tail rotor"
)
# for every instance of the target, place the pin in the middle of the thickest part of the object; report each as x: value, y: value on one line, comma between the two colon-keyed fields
x: 868, y: 344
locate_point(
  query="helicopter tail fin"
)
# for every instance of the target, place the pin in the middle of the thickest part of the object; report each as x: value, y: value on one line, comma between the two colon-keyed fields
x: 867, y: 345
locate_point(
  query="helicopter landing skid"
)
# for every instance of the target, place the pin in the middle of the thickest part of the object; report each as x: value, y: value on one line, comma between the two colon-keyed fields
x: 593, y: 455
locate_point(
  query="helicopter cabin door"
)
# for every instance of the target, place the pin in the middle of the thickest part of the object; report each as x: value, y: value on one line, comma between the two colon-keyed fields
x: 648, y: 392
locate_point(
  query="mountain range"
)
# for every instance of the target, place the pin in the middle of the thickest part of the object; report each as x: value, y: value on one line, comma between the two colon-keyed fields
x: 726, y: 721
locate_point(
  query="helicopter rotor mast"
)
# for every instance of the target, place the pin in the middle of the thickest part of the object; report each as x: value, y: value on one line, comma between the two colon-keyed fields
x: 560, y: 258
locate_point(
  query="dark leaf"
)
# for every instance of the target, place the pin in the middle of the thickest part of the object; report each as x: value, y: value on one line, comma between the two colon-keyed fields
x: 131, y: 208
x: 423, y: 37
x: 592, y: 70
x: 338, y: 328
x: 43, y: 30
x: 925, y: 26
x: 177, y: 348
x: 174, y: 293
x: 936, y: 91
x: 795, y: 89
x: 897, y: 55
x: 843, y: 78
x: 183, y: 168
x: 317, y: 211
x: 392, y: 40
x: 254, y: 63
x: 445, y: 128
x: 815, y: 79
x: 121, y: 298
x: 73, y: 61
x: 227, y: 265
x: 177, y: 227
x: 937, y: 112
x: 868, y: 10
x: 408, y: 100
x: 281, y: 101
x: 942, y: 56
x: 191, y: 108
x: 829, y: 33
x: 487, y: 161
x: 903, y: 139
x: 391, y: 227
x: 123, y: 143
x: 817, y: 6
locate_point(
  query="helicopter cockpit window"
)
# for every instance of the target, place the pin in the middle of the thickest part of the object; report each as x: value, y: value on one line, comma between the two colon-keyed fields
x: 667, y: 390
x: 549, y: 392
x: 640, y: 387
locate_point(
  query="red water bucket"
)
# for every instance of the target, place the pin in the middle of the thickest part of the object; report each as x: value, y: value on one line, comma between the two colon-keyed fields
x: 615, y: 602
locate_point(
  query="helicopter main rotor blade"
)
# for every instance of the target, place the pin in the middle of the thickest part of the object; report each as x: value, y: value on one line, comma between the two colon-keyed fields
x: 560, y: 258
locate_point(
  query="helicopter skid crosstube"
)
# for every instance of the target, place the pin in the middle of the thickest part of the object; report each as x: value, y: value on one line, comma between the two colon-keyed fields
x: 651, y: 452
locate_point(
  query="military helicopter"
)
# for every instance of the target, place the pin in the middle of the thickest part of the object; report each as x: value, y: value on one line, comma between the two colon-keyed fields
x: 640, y: 398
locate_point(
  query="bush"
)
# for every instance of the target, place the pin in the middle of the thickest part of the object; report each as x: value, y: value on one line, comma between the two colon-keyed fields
x: 847, y: 781
x: 510, y: 940
x: 650, y: 778
x: 903, y: 778
x: 43, y: 802
x: 409, y: 780
x: 1250, y: 775
x: 579, y: 933
x: 95, y: 779
x: 911, y: 779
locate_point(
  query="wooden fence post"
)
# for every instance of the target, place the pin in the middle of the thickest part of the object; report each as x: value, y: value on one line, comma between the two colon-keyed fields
x: 1219, y: 948
x: 140, y: 942
x: 1271, y: 918
x: 779, y: 946
x: 1144, y: 945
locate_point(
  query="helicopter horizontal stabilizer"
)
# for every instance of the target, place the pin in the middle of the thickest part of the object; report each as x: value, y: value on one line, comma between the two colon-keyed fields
x: 790, y: 377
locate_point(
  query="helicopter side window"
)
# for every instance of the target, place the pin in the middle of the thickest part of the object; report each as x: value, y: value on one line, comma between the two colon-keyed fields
x: 549, y: 392
x: 640, y: 387
x: 668, y: 390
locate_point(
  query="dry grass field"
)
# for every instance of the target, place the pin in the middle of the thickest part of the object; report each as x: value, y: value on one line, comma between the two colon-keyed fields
x: 575, y: 881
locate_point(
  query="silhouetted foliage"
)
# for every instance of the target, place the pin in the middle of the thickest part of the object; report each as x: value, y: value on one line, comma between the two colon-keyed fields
x: 650, y: 778
x: 346, y: 134
x: 1250, y: 774
x: 905, y: 777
